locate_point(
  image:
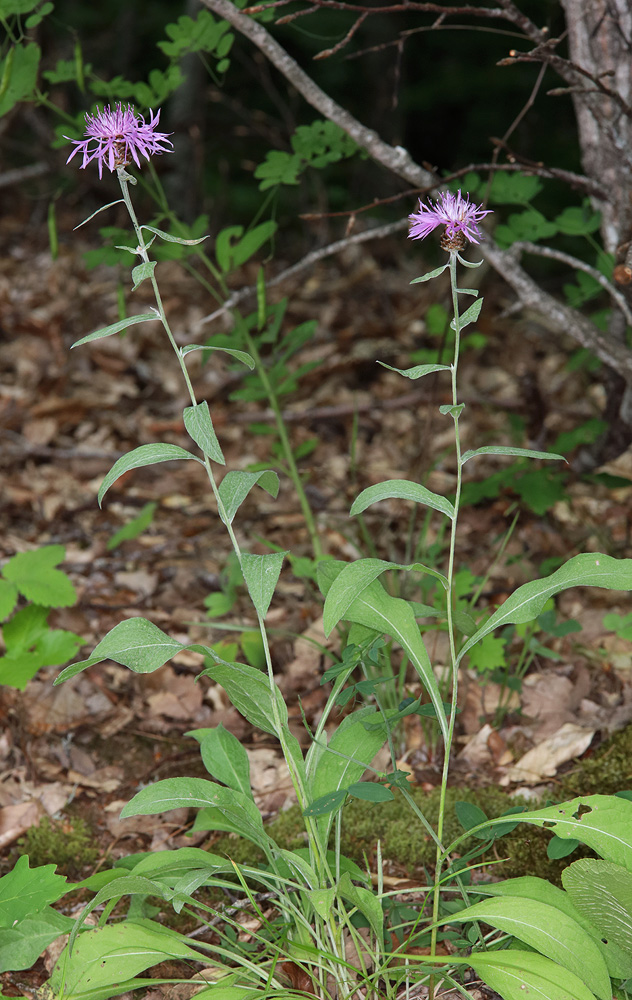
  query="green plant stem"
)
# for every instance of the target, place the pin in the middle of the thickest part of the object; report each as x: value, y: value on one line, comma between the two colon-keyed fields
x: 291, y: 466
x: 450, y: 611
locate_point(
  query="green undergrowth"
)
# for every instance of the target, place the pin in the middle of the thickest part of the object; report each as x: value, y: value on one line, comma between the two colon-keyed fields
x: 67, y: 842
x: 405, y: 843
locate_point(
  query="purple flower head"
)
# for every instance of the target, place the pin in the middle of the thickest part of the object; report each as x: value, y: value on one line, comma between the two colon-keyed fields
x: 459, y: 216
x: 120, y: 135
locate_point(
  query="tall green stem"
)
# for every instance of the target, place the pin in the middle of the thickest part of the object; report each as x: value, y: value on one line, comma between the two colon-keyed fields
x: 455, y: 413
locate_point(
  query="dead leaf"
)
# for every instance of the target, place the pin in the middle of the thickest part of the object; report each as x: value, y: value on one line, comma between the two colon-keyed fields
x: 544, y: 759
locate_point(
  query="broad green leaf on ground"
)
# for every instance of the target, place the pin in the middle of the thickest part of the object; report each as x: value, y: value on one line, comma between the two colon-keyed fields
x: 35, y: 576
x: 418, y: 371
x: 199, y: 426
x: 618, y: 961
x: 401, y: 489
x: 354, y: 578
x: 224, y: 757
x: 146, y: 454
x: 104, y: 956
x: 603, y: 892
x: 550, y: 931
x: 502, y: 450
x: 236, y: 485
x: 249, y: 691
x: 24, y: 891
x: 21, y: 946
x: 261, y: 573
x: 520, y: 974
x: 8, y: 598
x: 122, y: 324
x: 526, y: 603
x: 135, y: 643
x: 602, y: 822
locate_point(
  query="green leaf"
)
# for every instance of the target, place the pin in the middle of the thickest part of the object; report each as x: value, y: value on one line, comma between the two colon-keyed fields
x: 377, y: 610
x: 261, y: 573
x: 169, y: 238
x: 231, y: 255
x: 18, y: 71
x: 449, y: 409
x: 501, y: 450
x: 108, y: 331
x: 279, y: 167
x: 602, y: 891
x: 242, y: 356
x: 369, y: 791
x: 526, y: 603
x: 469, y: 316
x: 619, y: 962
x: 199, y: 426
x: 520, y: 974
x: 21, y: 946
x: 133, y: 528
x: 576, y: 221
x: 431, y: 274
x: 105, y: 956
x: 146, y: 454
x: 235, y: 487
x: 401, y: 489
x: 366, y: 903
x: 418, y: 371
x: 558, y: 848
x: 488, y: 654
x: 141, y: 272
x: 249, y: 691
x: 530, y: 225
x: 25, y: 891
x: 322, y: 900
x: 35, y: 577
x: 513, y: 188
x: 353, y: 579
x: 470, y: 815
x: 135, y: 643
x: 224, y: 757
x: 198, y: 793
x: 8, y: 598
x: 602, y: 822
x: 326, y: 804
x: 550, y: 931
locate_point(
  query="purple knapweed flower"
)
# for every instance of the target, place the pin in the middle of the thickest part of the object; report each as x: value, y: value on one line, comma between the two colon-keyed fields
x: 120, y: 135
x: 459, y: 216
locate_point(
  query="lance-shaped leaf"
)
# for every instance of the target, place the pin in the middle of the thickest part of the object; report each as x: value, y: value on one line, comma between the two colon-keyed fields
x: 173, y: 239
x: 513, y: 452
x: 353, y: 579
x: 235, y: 487
x: 261, y: 573
x: 242, y: 356
x: 199, y: 425
x: 431, y: 274
x: 135, y: 643
x: 525, y: 604
x: 516, y: 975
x: 108, y: 331
x: 418, y: 371
x: 550, y: 931
x: 469, y: 316
x: 377, y: 610
x: 249, y: 691
x: 602, y: 822
x: 401, y: 489
x: 119, y: 201
x: 147, y: 454
x: 618, y: 961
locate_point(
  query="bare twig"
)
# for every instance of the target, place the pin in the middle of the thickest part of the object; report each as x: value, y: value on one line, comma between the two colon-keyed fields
x: 579, y: 265
x: 379, y: 232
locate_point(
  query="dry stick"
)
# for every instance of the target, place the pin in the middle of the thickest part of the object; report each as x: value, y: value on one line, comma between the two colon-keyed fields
x: 399, y: 161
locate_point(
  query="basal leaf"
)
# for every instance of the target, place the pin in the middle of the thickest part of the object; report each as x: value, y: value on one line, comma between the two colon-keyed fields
x: 519, y: 974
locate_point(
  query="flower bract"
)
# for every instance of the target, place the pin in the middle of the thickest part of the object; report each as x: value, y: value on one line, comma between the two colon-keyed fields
x: 454, y: 211
x: 119, y: 135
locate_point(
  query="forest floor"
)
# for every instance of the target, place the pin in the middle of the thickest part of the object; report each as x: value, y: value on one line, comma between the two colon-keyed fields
x: 85, y: 747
